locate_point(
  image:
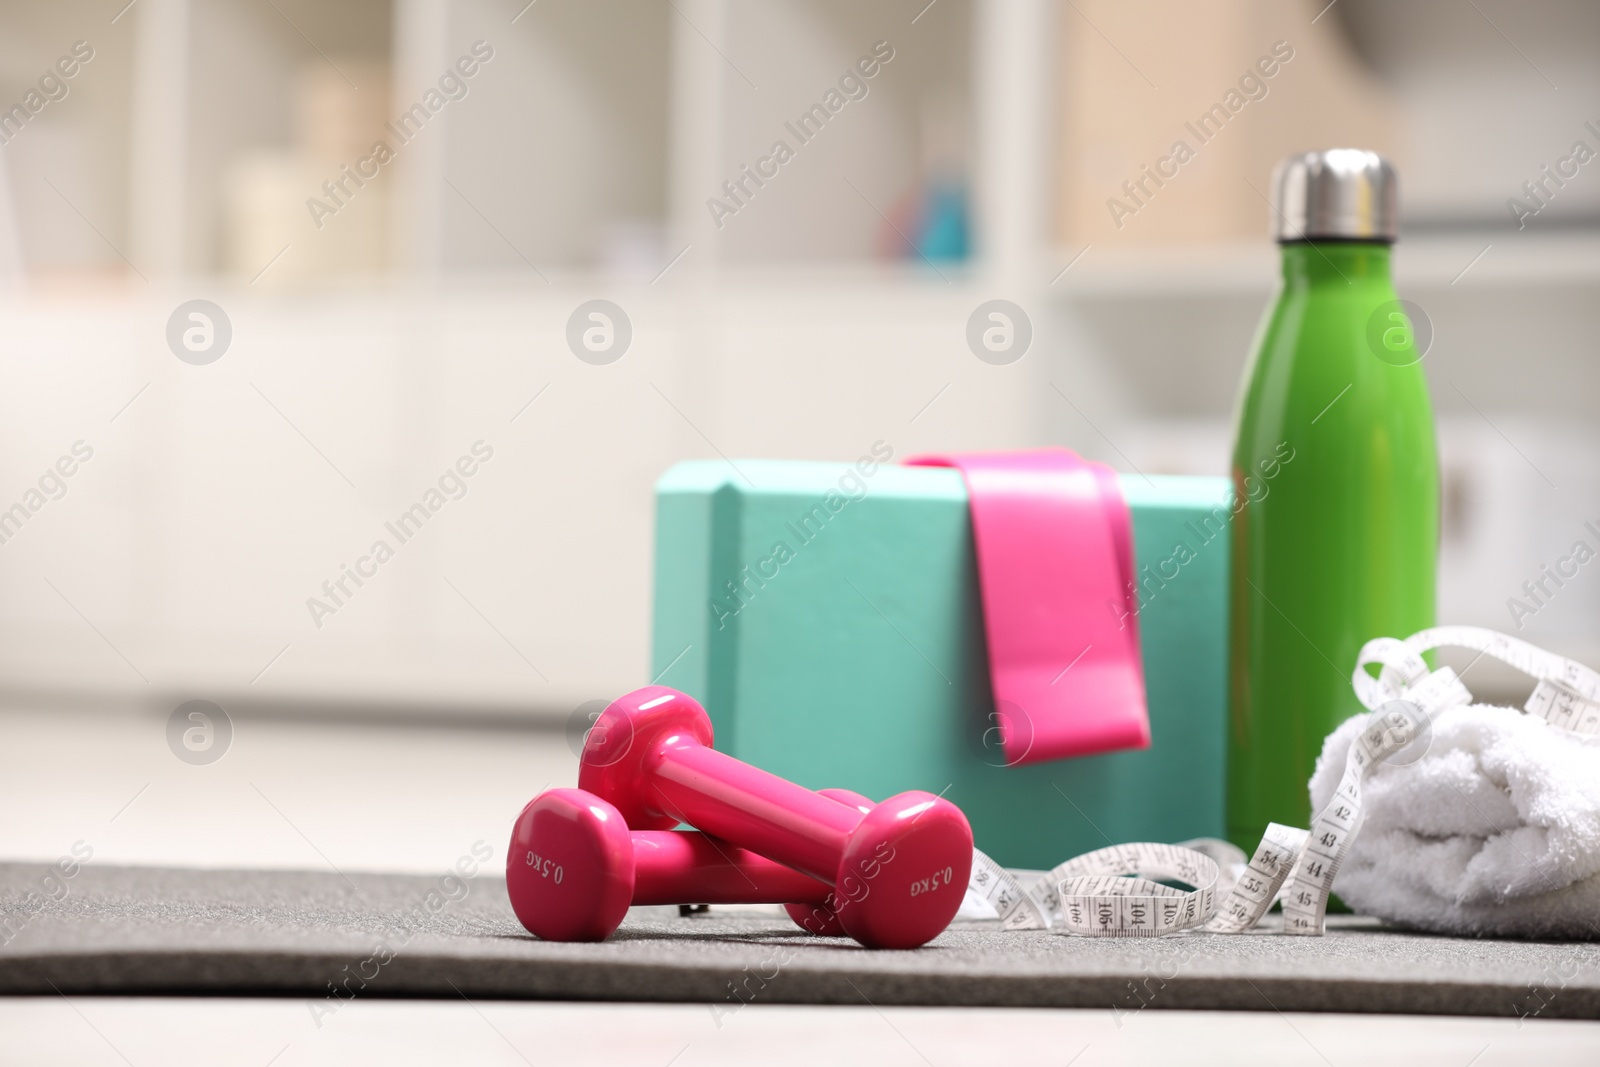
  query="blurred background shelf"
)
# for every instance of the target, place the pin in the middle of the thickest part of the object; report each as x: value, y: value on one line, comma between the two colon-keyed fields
x: 598, y: 131
x: 1463, y: 261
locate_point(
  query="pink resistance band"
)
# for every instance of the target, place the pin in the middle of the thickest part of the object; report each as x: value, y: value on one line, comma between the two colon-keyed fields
x: 1055, y: 570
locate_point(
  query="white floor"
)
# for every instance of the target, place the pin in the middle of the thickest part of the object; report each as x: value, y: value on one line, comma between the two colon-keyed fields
x: 406, y: 797
x: 288, y: 793
x: 256, y: 1033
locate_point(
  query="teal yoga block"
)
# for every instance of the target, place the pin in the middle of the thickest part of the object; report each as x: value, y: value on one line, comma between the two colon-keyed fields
x: 829, y: 620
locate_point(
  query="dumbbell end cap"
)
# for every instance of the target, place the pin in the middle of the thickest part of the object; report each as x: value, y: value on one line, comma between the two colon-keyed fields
x: 904, y: 871
x: 569, y: 869
x: 622, y: 740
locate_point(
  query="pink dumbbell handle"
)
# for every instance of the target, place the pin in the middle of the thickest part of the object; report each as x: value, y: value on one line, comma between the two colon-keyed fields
x: 684, y: 867
x: 729, y: 798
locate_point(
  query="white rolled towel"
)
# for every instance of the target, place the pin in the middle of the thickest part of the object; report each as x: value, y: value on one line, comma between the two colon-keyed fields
x: 1495, y: 830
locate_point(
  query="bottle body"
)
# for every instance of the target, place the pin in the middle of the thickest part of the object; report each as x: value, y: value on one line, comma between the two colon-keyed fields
x: 1337, y: 537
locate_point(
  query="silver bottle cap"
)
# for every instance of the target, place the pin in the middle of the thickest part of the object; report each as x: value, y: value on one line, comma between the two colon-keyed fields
x: 1337, y: 193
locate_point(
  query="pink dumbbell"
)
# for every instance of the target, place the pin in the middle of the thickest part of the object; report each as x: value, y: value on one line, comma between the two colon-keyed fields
x: 823, y: 919
x: 898, y: 872
x: 574, y: 868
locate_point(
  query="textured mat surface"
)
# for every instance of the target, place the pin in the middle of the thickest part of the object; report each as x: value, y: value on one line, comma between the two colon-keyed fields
x: 331, y: 937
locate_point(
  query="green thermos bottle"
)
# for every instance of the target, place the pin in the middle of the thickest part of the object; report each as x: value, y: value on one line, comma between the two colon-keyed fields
x: 1336, y: 521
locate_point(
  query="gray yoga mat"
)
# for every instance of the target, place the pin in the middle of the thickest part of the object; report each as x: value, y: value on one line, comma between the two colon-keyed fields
x: 328, y: 937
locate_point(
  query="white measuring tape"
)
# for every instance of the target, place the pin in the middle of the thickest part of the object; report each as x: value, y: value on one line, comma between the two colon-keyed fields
x: 1121, y: 892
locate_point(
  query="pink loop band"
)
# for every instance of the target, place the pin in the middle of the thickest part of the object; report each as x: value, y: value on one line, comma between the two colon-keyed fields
x: 1055, y: 570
